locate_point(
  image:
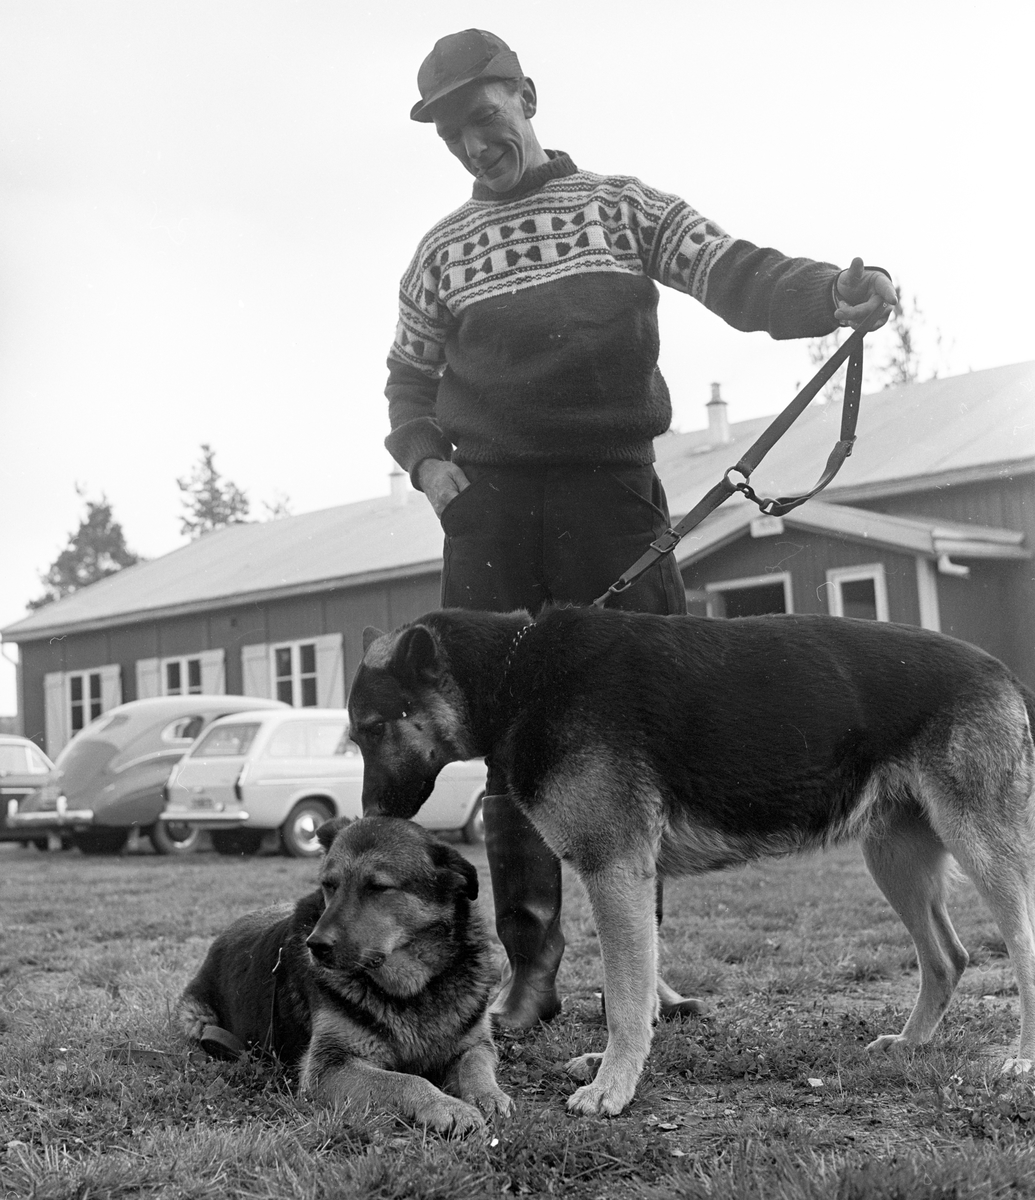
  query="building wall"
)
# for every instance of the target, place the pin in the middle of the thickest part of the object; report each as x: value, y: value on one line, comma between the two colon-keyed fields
x: 807, y: 557
x: 344, y: 611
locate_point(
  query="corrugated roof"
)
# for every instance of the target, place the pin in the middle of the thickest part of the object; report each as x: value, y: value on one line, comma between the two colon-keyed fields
x: 979, y: 424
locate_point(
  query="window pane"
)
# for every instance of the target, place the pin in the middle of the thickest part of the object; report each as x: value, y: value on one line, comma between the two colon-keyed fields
x: 290, y: 741
x: 755, y: 601
x: 282, y: 657
x: 76, y: 685
x: 307, y: 658
x: 95, y: 709
x: 37, y: 763
x: 309, y: 693
x: 326, y: 737
x: 77, y: 717
x: 859, y: 598
x: 194, y: 675
x: 226, y: 741
x: 172, y: 679
x: 95, y: 686
x: 285, y: 691
x: 12, y: 760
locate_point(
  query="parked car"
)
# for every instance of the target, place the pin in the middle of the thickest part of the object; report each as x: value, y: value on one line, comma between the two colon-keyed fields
x: 109, y: 778
x: 289, y: 771
x: 23, y: 771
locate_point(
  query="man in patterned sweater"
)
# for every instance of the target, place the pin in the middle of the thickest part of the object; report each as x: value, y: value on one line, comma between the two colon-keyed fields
x: 524, y: 396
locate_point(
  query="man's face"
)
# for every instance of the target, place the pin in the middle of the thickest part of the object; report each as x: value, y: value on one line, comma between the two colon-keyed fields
x: 487, y: 126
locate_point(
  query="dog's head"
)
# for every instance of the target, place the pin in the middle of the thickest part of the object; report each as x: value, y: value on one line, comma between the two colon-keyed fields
x: 396, y: 901
x: 407, y: 717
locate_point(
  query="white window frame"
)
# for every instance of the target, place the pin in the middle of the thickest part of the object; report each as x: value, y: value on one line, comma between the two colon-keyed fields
x: 715, y: 590
x: 153, y: 678
x: 836, y: 576
x: 58, y: 704
x: 259, y: 669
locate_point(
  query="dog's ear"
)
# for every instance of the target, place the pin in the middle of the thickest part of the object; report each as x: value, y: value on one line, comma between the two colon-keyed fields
x: 415, y: 656
x: 452, y: 863
x: 370, y: 634
x: 328, y: 831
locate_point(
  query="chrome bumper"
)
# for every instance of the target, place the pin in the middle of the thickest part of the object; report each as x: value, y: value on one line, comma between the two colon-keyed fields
x: 57, y: 816
x: 201, y: 816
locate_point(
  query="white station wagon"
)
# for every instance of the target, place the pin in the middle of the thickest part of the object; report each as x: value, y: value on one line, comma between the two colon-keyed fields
x: 290, y: 770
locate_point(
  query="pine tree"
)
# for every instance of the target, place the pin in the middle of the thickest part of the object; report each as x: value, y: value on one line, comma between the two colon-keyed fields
x: 211, y: 502
x: 95, y: 550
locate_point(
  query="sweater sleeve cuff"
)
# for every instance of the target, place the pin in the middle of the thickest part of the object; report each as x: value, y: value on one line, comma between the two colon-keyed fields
x: 415, y: 441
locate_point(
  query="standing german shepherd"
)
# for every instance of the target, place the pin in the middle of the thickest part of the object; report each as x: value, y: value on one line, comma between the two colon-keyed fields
x: 378, y: 982
x: 640, y: 745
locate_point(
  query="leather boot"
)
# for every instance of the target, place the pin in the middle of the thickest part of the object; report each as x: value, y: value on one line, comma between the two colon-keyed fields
x: 526, y: 888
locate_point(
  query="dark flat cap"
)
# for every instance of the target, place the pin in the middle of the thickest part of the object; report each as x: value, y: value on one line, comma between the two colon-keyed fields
x: 459, y: 59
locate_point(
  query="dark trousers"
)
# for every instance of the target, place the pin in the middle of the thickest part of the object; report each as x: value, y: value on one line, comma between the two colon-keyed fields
x: 527, y: 537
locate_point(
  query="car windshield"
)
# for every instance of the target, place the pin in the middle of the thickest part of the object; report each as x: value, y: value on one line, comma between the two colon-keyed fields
x: 226, y: 741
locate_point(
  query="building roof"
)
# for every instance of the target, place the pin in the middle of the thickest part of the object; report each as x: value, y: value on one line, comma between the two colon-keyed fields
x: 975, y: 426
x: 927, y: 537
x: 967, y: 427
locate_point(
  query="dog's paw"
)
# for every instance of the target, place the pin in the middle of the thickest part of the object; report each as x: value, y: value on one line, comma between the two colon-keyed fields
x: 1018, y: 1066
x: 492, y: 1104
x: 597, y: 1100
x: 685, y: 1006
x: 452, y: 1117
x: 585, y: 1067
x: 888, y: 1042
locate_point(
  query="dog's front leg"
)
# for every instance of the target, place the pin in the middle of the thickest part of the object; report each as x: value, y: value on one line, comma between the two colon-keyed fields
x: 622, y: 898
x: 333, y: 1074
x: 473, y: 1078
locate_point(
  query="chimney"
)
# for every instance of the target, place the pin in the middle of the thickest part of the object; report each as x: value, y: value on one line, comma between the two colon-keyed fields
x: 399, y: 486
x: 718, y: 422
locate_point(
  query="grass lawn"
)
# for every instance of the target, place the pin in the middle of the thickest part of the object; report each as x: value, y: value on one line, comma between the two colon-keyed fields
x: 773, y: 1096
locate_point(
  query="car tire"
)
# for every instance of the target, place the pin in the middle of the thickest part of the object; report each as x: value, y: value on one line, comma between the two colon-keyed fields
x: 298, y: 833
x: 42, y: 844
x: 173, y: 837
x: 473, y: 831
x: 239, y: 842
x: 102, y: 840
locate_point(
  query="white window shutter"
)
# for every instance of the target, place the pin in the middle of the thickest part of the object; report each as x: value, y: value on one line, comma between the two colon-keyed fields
x: 255, y: 670
x: 55, y: 712
x: 149, y: 678
x: 111, y: 686
x: 213, y: 674
x: 330, y: 671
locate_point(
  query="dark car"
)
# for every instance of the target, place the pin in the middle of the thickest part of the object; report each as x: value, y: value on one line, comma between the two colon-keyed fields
x: 23, y: 771
x: 110, y: 777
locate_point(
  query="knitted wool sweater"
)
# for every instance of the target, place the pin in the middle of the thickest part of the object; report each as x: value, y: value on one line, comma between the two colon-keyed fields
x: 528, y: 329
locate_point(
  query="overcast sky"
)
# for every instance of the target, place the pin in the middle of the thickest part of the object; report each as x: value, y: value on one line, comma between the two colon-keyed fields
x: 205, y: 209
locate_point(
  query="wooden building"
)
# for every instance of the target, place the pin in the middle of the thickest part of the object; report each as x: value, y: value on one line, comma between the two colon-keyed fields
x: 931, y: 522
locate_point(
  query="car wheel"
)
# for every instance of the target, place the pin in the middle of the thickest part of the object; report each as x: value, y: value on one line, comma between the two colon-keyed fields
x: 473, y: 831
x: 103, y: 840
x: 41, y: 843
x: 173, y: 837
x: 242, y: 842
x: 298, y: 833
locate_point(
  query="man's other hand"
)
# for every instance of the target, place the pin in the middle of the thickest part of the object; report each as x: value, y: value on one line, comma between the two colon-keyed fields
x: 859, y: 290
x: 440, y: 481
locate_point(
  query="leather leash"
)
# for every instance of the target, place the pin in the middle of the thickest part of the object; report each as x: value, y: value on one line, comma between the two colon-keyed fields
x: 852, y: 349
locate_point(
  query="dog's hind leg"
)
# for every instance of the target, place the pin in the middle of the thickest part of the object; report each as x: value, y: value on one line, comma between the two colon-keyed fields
x: 909, y: 864
x: 622, y: 898
x: 1005, y: 877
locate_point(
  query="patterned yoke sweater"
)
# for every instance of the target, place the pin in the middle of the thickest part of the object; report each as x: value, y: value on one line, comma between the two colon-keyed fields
x: 528, y: 329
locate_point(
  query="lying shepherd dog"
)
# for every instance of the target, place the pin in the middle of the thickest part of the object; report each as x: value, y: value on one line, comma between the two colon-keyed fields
x: 641, y: 745
x: 377, y: 984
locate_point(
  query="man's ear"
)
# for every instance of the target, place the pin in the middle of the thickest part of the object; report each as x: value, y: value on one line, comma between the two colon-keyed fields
x: 370, y: 634
x: 529, y: 102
